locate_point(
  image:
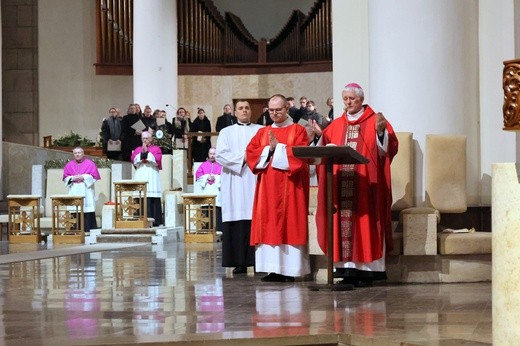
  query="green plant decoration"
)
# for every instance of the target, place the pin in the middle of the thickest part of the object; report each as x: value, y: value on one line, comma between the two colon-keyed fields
x: 60, y: 163
x: 73, y: 140
x: 55, y: 164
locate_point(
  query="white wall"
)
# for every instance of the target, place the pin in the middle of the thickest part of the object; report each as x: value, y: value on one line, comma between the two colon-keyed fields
x: 431, y: 67
x: 424, y: 75
x: 1, y: 129
x: 71, y: 96
x: 155, y: 53
x: 350, y: 52
x: 496, y: 44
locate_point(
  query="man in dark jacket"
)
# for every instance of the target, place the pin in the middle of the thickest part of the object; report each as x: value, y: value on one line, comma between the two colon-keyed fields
x: 226, y: 119
x: 111, y: 132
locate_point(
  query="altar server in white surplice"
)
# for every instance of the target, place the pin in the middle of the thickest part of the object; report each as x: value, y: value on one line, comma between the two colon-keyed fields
x: 237, y: 190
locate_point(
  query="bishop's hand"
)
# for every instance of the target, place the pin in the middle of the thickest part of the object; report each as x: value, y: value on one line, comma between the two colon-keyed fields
x: 380, y: 123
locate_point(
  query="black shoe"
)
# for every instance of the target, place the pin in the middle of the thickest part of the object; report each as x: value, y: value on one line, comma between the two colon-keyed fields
x: 240, y: 270
x: 348, y: 281
x: 339, y: 273
x: 363, y: 283
x: 273, y: 277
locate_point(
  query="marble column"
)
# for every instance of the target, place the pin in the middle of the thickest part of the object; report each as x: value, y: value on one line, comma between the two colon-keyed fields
x: 496, y: 44
x: 350, y: 19
x: 1, y: 129
x: 505, y: 209
x: 424, y: 70
x: 155, y: 54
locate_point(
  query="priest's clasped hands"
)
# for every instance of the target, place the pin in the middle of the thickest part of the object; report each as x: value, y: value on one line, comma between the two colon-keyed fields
x: 77, y: 178
x: 272, y: 141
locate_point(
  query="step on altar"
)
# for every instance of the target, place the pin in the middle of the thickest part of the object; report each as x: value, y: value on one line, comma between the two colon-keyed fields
x: 152, y: 235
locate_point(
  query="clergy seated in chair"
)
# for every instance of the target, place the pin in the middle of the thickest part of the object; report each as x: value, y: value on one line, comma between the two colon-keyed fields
x: 208, y: 182
x: 79, y: 176
x: 147, y: 160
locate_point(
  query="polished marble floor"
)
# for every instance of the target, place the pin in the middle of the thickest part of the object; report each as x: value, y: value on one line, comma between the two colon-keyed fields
x: 179, y: 294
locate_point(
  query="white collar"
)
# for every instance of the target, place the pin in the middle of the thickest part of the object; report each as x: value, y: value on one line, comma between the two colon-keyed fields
x: 285, y: 123
x: 354, y: 117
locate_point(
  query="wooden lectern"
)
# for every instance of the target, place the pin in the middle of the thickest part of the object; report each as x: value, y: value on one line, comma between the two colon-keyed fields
x: 330, y: 155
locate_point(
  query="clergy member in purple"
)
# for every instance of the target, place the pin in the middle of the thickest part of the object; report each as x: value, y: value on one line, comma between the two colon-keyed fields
x: 79, y: 176
x: 208, y: 174
x: 208, y: 181
x: 147, y: 160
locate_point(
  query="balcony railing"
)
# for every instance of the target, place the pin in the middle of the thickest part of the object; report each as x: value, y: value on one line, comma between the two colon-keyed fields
x: 207, y: 42
x: 114, y: 35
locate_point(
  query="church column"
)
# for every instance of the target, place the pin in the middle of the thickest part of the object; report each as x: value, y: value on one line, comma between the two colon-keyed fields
x: 423, y: 74
x: 496, y: 44
x: 500, y: 43
x: 349, y: 56
x: 155, y: 54
x: 1, y: 128
x: 418, y: 63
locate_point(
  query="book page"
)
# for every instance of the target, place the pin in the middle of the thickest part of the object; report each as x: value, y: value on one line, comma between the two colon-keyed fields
x: 138, y: 125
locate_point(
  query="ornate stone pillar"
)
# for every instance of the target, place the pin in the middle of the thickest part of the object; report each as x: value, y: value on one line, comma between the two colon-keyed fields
x: 511, y: 85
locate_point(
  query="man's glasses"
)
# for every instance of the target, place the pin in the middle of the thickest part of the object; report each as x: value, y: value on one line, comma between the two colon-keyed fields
x: 275, y: 110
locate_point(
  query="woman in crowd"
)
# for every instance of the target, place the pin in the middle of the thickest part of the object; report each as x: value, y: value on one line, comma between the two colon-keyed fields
x: 200, y: 145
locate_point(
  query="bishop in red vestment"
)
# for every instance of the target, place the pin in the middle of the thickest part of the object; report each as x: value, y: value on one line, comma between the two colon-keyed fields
x: 279, y: 228
x: 362, y: 193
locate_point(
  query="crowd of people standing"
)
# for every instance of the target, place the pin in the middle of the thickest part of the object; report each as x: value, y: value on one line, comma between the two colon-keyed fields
x: 264, y: 187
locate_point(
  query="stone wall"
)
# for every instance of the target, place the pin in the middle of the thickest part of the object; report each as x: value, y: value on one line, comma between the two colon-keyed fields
x: 17, y: 161
x: 20, y: 71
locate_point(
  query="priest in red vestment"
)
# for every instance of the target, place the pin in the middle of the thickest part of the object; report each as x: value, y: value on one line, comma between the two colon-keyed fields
x: 279, y: 228
x: 362, y: 193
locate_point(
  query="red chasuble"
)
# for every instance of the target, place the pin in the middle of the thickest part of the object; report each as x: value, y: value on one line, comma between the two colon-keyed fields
x: 281, y: 201
x: 362, y: 193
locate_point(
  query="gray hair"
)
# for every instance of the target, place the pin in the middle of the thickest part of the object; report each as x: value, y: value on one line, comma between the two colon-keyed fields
x: 358, y: 91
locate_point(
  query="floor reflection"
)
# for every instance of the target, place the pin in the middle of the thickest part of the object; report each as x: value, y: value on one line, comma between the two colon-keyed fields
x: 178, y: 292
x: 280, y: 312
x: 209, y: 304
